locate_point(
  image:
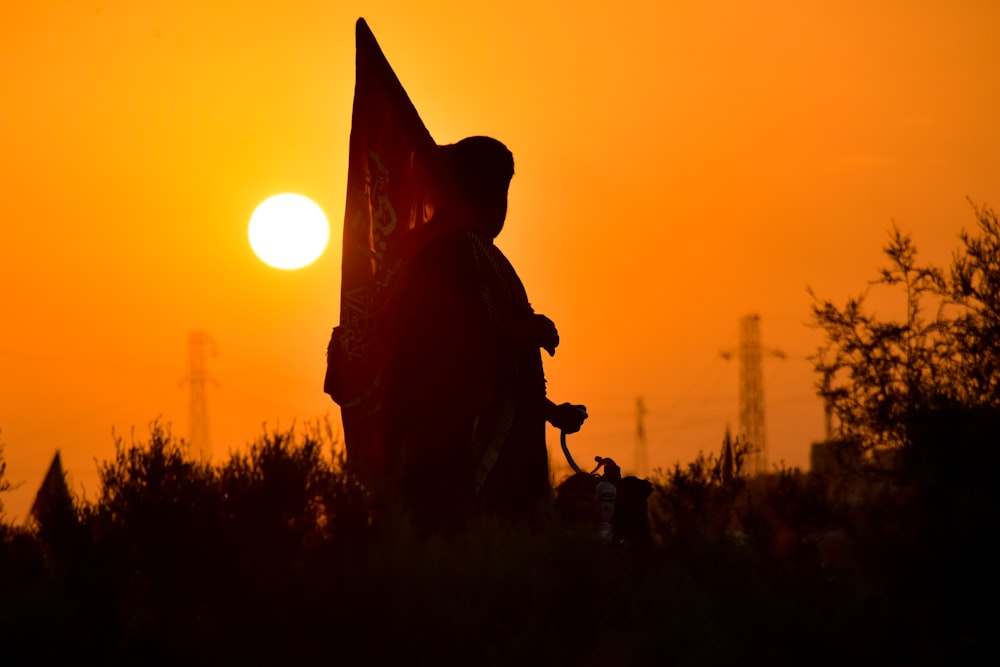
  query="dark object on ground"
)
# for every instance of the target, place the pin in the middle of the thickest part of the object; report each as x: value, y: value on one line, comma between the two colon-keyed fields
x: 577, y: 504
x: 631, y: 522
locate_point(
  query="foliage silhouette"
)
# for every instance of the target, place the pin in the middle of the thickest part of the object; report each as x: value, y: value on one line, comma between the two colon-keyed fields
x: 273, y: 555
x: 918, y: 401
x: 5, y: 485
x: 877, y: 374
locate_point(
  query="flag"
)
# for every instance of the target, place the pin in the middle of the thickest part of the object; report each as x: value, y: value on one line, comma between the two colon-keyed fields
x: 394, y: 177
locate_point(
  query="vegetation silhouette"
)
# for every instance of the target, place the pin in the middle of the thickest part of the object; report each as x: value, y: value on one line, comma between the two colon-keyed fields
x: 277, y: 554
x: 917, y: 404
x: 5, y: 484
x: 877, y: 374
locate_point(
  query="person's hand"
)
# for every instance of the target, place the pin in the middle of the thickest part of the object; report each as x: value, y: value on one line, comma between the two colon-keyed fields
x: 567, y: 417
x: 534, y: 331
x: 544, y: 333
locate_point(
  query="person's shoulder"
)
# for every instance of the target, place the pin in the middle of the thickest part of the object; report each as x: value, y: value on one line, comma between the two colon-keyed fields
x: 449, y: 257
x: 452, y: 248
x: 457, y: 240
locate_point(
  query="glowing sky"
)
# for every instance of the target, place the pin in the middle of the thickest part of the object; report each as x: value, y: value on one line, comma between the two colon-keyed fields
x: 679, y: 165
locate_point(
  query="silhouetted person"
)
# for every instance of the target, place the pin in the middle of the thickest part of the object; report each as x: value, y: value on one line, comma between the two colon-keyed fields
x: 465, y: 403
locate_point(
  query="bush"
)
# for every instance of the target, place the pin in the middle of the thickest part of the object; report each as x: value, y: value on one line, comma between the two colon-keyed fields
x: 878, y: 375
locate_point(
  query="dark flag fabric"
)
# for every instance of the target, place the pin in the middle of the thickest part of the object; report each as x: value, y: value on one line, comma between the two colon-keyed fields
x: 393, y: 179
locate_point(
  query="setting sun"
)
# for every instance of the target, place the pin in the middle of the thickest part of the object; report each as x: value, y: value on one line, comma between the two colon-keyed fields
x: 288, y: 231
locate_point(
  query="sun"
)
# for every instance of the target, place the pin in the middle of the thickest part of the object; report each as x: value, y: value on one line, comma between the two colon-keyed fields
x: 288, y: 231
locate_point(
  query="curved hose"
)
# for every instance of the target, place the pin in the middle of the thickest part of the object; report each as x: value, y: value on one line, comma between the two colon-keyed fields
x: 569, y: 457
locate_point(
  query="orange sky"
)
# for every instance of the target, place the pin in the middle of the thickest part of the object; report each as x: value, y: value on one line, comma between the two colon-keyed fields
x: 679, y: 165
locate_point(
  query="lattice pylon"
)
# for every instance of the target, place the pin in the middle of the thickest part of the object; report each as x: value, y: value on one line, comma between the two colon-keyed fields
x: 200, y: 344
x: 751, y: 394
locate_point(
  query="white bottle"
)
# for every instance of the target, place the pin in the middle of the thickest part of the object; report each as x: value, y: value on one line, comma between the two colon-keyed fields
x: 606, y: 496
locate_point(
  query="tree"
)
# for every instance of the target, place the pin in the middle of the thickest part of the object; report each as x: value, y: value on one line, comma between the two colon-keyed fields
x: 877, y: 375
x: 974, y: 286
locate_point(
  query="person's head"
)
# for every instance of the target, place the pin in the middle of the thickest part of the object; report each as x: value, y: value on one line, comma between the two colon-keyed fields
x: 482, y: 168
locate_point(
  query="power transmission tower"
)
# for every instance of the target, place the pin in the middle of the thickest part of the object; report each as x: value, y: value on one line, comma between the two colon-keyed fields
x: 199, y: 345
x: 641, y: 453
x: 751, y: 394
